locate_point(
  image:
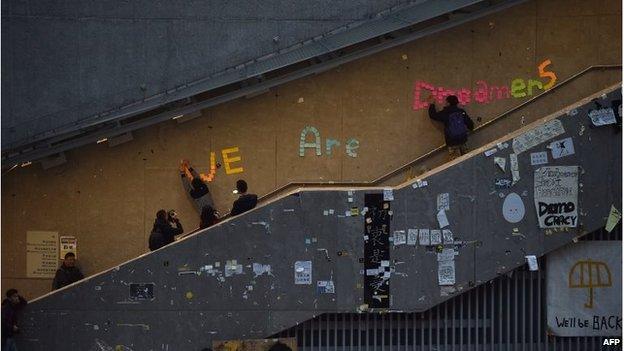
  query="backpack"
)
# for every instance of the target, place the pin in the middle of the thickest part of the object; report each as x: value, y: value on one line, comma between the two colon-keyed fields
x: 457, y: 129
x: 156, y: 239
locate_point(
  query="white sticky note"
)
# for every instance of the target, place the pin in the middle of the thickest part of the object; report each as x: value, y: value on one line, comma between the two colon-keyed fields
x: 388, y: 195
x: 385, y: 263
x: 412, y: 236
x: 442, y: 220
x: 373, y: 271
x: 331, y: 211
x: 350, y: 199
x: 325, y: 213
x: 436, y: 237
x: 532, y: 261
x: 490, y: 152
x: 423, y: 237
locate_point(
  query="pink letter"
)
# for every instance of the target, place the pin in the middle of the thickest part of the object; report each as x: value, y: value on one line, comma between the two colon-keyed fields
x: 482, y: 95
x: 464, y: 96
x: 418, y: 104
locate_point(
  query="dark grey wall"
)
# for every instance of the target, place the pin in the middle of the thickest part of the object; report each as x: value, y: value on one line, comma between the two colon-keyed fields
x: 64, y: 61
x: 98, y: 313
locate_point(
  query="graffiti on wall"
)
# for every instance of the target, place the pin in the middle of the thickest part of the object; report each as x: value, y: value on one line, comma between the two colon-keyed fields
x: 485, y: 93
x: 351, y: 145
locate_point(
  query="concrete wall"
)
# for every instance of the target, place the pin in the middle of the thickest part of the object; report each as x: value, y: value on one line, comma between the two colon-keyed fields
x: 199, y: 295
x: 107, y: 197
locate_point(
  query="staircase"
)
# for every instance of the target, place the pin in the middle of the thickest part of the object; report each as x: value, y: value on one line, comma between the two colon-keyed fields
x: 323, y: 250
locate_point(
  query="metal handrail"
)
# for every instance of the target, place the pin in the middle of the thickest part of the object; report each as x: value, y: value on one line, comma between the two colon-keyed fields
x: 439, y: 148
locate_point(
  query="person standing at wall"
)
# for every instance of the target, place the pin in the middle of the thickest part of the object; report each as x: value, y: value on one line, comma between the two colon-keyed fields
x: 10, y: 306
x: 195, y: 186
x: 245, y: 202
x: 67, y: 273
x: 163, y: 232
x: 457, y: 123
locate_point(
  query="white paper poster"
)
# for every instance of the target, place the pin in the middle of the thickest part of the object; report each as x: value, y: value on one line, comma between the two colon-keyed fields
x: 303, y: 272
x: 584, y: 289
x: 446, y: 272
x: 561, y: 148
x: 447, y: 236
x: 537, y: 136
x: 412, y: 236
x: 41, y: 254
x: 399, y: 237
x: 556, y: 196
x: 513, y: 208
x: 68, y: 244
x: 602, y: 117
x: 388, y: 195
x: 442, y: 219
x: 443, y: 202
x: 539, y: 158
x: 423, y: 237
x: 436, y: 237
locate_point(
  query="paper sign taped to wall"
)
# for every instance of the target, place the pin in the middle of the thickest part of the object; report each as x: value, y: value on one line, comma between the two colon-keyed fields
x: 423, y: 237
x: 515, y: 171
x: 532, y: 261
x: 443, y: 202
x: 388, y: 195
x: 613, y: 219
x: 561, y: 148
x: 68, y: 244
x: 41, y: 254
x: 556, y: 196
x: 447, y: 236
x: 442, y: 220
x: 602, y: 117
x: 303, y: 272
x: 399, y: 237
x: 412, y: 236
x: 446, y: 272
x: 537, y: 136
x: 436, y: 237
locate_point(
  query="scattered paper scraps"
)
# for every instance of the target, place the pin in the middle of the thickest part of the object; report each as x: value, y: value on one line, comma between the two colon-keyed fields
x: 502, y: 183
x: 420, y: 184
x: 561, y: 148
x: 260, y: 269
x: 614, y: 219
x: 539, y: 158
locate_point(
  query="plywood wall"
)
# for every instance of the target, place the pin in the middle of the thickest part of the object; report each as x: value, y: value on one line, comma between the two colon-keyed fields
x: 107, y: 197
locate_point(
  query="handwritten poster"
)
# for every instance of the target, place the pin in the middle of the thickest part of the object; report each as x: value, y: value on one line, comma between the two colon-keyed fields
x: 41, y: 254
x: 537, y: 136
x: 602, y: 117
x: 377, y: 250
x: 584, y: 289
x: 68, y: 244
x: 556, y: 196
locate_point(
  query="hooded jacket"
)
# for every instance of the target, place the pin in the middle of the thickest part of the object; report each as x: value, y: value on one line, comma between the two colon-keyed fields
x: 163, y: 233
x: 65, y: 276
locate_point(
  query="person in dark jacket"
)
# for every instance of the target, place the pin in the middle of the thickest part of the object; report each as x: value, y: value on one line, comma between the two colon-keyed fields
x: 163, y: 231
x: 457, y: 123
x: 195, y: 186
x: 245, y: 202
x: 67, y: 273
x: 209, y: 216
x: 10, y: 306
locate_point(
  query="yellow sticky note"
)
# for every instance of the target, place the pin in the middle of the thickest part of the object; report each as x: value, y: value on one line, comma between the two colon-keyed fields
x: 614, y: 219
